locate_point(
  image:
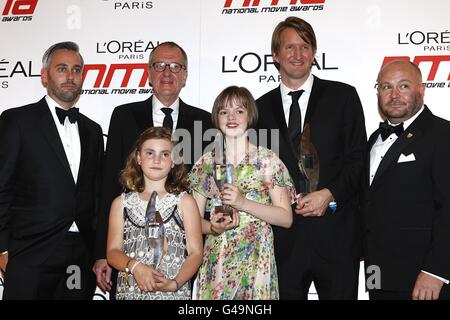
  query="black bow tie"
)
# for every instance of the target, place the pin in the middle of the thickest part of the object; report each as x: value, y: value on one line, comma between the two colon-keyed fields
x: 386, y: 129
x: 72, y: 113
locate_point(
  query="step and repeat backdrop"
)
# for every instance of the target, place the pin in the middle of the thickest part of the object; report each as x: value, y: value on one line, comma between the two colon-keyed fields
x: 227, y: 42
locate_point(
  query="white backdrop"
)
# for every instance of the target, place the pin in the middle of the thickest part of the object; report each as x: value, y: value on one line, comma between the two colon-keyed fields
x: 227, y: 42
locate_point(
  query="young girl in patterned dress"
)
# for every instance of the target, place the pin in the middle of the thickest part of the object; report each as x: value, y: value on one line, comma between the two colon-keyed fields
x: 238, y: 259
x: 150, y: 168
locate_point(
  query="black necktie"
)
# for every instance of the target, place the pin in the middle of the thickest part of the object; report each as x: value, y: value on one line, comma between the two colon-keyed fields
x: 295, y: 118
x: 168, y: 122
x: 386, y: 129
x: 72, y: 113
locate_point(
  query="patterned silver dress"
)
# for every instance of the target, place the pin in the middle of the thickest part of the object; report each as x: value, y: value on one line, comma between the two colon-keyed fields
x: 135, y: 245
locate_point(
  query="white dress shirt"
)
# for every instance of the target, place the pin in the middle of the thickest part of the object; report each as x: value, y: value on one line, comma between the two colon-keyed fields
x: 380, y: 147
x: 302, y: 101
x: 158, y: 115
x: 70, y: 139
x: 377, y: 153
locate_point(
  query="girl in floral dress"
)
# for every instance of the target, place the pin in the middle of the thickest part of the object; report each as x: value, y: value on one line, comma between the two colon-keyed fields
x: 238, y: 259
x: 150, y: 168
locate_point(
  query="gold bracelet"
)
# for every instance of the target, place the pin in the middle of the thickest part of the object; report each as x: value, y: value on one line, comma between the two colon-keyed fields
x: 127, y: 269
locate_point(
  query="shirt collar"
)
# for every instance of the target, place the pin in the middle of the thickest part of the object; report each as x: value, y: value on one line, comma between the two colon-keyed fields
x: 53, y: 103
x: 307, y: 86
x: 157, y: 105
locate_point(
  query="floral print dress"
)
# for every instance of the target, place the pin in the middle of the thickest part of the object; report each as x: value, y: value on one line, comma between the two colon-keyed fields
x: 240, y: 263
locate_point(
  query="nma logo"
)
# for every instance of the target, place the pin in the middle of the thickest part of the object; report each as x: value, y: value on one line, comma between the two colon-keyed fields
x: 438, y: 72
x: 258, y: 6
x: 435, y: 62
x: 107, y: 78
x: 256, y: 3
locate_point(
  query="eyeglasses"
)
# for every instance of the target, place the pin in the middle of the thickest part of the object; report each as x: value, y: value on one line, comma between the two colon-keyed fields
x: 174, y: 67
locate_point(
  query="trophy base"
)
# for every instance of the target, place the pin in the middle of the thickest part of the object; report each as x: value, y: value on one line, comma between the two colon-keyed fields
x: 225, y: 210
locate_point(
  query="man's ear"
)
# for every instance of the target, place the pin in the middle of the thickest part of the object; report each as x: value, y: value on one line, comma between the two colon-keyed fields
x: 275, y: 57
x: 185, y: 77
x: 422, y: 90
x: 44, y: 77
x: 149, y: 82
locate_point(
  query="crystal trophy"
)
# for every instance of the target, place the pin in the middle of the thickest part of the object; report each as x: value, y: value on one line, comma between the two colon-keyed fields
x: 308, y: 162
x: 309, y: 165
x: 154, y: 230
x: 222, y: 172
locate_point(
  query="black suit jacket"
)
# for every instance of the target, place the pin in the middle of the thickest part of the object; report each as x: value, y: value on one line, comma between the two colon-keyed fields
x: 128, y: 121
x: 406, y: 223
x: 338, y: 132
x: 39, y: 198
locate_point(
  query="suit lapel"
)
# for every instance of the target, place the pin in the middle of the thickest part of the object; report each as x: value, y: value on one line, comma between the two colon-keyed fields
x: 370, y: 144
x: 143, y: 114
x: 51, y: 133
x: 313, y: 101
x: 85, y: 143
x: 411, y: 134
x: 373, y: 138
x: 184, y: 118
x: 278, y: 112
x: 276, y: 105
x: 392, y: 155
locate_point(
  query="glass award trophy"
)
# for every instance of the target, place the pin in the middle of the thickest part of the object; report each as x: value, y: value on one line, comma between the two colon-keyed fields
x: 308, y: 162
x: 309, y: 165
x: 222, y: 172
x: 154, y: 230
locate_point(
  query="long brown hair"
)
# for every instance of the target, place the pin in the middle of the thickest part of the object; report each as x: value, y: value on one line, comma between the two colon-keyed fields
x: 132, y: 178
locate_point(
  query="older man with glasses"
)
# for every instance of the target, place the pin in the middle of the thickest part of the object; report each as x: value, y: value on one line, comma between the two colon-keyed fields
x: 168, y: 71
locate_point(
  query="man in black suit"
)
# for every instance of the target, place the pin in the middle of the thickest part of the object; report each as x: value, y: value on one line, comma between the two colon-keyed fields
x: 50, y: 157
x: 407, y: 193
x: 321, y: 246
x: 167, y: 70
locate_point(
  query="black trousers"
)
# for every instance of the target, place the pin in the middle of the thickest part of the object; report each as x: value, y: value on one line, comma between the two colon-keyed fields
x: 65, y: 275
x: 333, y: 280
